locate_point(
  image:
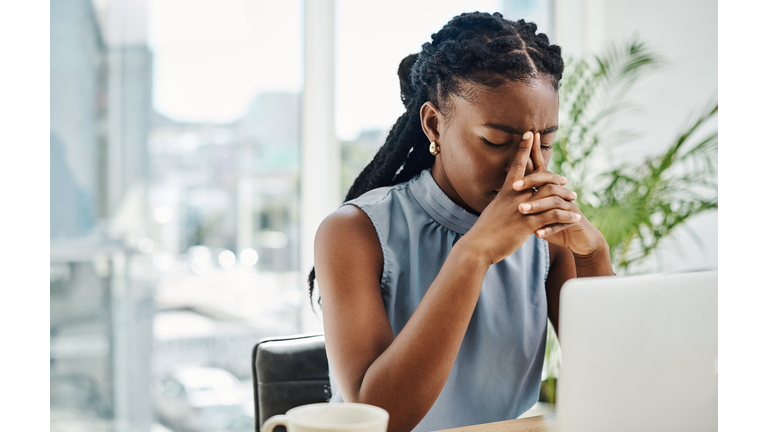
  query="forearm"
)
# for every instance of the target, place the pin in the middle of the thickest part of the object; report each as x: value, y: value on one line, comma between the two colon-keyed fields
x: 408, y: 376
x: 598, y: 263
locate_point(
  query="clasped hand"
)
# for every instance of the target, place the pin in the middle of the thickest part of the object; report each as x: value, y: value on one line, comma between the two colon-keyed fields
x: 536, y: 203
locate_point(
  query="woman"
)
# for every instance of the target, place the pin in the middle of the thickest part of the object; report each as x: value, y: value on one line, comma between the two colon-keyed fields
x: 439, y: 273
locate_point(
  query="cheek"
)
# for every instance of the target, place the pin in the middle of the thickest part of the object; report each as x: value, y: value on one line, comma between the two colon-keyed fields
x: 467, y: 163
x: 547, y: 158
x: 488, y: 170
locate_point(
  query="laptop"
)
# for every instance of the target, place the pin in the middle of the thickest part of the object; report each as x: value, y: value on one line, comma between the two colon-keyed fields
x: 638, y: 353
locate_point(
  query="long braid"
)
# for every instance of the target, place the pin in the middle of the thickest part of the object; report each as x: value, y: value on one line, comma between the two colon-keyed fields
x: 477, y: 48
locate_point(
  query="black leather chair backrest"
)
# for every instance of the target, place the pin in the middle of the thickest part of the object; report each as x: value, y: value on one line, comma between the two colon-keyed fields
x: 288, y: 372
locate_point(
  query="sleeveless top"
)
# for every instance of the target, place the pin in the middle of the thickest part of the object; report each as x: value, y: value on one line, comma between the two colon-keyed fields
x: 497, y: 372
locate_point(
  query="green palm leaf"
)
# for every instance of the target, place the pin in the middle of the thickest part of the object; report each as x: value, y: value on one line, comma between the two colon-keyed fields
x: 637, y: 205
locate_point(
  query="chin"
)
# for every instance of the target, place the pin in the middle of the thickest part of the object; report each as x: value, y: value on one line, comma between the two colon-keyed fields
x: 480, y: 207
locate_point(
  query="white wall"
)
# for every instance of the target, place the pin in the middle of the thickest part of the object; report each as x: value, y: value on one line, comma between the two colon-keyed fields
x: 685, y: 33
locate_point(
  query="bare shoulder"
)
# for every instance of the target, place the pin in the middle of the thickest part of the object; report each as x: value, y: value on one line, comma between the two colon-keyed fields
x: 346, y: 245
x: 349, y: 228
x: 347, y: 217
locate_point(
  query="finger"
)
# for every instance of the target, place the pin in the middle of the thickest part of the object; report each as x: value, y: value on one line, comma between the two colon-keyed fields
x: 551, y: 189
x: 548, y: 203
x: 539, y: 179
x: 550, y: 217
x: 536, y: 156
x: 520, y: 160
x: 529, y: 167
x: 551, y: 229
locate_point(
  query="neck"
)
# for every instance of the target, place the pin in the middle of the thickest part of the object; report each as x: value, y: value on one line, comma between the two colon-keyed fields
x: 442, y: 180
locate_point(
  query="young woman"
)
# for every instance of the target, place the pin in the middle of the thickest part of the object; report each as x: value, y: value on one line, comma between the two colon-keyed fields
x: 439, y: 273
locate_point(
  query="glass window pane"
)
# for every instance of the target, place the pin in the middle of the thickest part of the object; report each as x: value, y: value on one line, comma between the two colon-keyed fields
x: 174, y: 207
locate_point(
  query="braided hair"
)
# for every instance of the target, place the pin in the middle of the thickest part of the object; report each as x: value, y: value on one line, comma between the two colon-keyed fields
x: 473, y: 48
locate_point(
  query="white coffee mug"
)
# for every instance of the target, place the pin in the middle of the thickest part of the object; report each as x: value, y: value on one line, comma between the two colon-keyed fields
x: 326, y: 417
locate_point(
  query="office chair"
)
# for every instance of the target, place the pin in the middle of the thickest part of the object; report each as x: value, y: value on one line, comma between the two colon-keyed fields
x: 288, y: 372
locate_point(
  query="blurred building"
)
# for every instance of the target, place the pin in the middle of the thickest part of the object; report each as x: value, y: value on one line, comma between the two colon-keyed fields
x: 143, y: 208
x: 78, y: 110
x: 231, y: 186
x: 226, y: 188
x: 101, y: 308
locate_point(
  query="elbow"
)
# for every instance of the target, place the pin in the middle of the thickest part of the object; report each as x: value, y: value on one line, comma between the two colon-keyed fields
x: 399, y: 420
x: 403, y: 416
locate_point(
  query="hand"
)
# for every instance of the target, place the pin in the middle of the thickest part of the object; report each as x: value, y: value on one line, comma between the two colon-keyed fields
x: 580, y: 237
x: 502, y: 228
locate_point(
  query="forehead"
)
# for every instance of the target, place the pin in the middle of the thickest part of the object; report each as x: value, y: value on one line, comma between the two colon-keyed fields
x: 524, y: 105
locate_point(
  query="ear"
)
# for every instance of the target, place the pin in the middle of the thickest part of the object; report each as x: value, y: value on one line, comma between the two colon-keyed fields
x: 430, y: 118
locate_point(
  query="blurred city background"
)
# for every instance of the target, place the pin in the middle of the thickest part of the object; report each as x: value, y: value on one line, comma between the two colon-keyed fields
x: 182, y: 198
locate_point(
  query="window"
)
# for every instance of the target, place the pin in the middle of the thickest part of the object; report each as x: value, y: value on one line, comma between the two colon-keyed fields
x: 175, y: 158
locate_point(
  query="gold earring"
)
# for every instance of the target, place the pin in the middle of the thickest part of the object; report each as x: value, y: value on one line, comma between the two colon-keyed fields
x: 434, y: 148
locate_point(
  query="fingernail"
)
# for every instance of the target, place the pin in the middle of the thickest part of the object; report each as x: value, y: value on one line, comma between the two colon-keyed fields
x: 540, y: 233
x: 518, y: 184
x: 527, y: 135
x: 575, y: 195
x: 526, y: 207
x: 565, y: 180
x: 578, y: 217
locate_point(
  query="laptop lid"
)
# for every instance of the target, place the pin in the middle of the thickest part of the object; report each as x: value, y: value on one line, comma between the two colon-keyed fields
x: 638, y: 353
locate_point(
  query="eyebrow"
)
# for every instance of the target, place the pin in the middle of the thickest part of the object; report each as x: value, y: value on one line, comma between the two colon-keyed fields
x: 511, y: 130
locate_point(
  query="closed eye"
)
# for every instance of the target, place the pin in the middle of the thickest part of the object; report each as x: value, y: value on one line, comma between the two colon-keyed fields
x: 543, y: 147
x: 494, y: 144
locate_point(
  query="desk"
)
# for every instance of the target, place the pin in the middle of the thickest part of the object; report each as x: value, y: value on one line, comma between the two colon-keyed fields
x: 545, y: 423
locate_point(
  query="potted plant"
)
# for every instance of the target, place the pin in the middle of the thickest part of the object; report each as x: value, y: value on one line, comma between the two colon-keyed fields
x: 635, y: 204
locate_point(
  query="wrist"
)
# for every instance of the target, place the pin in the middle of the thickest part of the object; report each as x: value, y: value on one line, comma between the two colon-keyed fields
x: 465, y: 252
x: 598, y: 256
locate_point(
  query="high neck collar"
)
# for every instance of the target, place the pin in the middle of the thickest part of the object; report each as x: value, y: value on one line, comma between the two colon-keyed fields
x: 439, y: 206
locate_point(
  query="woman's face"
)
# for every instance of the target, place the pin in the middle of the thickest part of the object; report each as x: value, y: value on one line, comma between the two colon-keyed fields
x: 481, y: 135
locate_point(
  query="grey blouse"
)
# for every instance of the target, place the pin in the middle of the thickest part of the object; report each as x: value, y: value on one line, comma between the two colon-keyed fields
x: 497, y: 372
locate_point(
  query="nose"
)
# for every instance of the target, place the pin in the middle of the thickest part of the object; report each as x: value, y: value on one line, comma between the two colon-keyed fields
x: 529, y: 167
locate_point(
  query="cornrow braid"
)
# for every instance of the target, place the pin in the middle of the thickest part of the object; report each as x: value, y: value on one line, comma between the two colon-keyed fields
x: 472, y: 48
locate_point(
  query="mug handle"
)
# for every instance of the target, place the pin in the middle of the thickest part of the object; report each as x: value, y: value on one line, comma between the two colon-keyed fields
x: 276, y: 420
